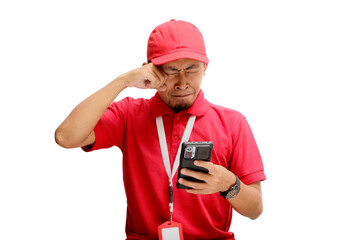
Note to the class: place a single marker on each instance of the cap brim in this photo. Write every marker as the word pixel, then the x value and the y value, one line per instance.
pixel 179 55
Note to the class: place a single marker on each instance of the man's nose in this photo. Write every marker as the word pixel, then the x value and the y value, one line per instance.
pixel 181 83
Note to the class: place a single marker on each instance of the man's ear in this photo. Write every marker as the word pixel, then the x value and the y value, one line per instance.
pixel 144 63
pixel 205 67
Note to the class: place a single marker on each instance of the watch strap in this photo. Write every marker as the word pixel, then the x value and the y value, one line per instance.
pixel 232 191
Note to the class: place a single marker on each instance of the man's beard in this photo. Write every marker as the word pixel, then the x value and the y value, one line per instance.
pixel 179 107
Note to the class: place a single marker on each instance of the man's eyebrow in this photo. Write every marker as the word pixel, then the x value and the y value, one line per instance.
pixel 191 66
pixel 170 68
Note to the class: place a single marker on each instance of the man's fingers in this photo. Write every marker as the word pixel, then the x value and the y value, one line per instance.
pixel 194 185
pixel 195 191
pixel 158 78
pixel 162 77
pixel 197 187
pixel 205 164
pixel 148 76
pixel 195 174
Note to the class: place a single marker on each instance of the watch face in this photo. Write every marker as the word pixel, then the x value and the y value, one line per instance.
pixel 233 192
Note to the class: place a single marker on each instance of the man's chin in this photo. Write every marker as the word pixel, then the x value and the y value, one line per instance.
pixel 180 107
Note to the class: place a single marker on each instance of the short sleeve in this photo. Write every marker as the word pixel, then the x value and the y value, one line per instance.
pixel 110 129
pixel 246 160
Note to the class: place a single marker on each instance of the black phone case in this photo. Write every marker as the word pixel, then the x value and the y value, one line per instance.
pixel 191 151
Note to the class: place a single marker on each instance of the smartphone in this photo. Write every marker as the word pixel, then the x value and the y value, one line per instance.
pixel 191 151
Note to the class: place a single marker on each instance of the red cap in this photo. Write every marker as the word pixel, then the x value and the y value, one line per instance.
pixel 175 40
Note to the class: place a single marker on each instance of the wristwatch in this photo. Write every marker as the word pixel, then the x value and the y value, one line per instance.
pixel 233 191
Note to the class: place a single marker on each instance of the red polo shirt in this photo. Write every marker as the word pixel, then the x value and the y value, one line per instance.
pixel 130 124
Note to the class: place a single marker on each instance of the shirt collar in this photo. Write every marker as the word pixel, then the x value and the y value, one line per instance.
pixel 159 108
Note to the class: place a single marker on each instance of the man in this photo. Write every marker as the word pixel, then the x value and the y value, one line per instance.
pixel 177 62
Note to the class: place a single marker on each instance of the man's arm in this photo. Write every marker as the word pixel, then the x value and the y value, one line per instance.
pixel 249 200
pixel 77 130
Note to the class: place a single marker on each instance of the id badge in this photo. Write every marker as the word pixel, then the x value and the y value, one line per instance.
pixel 170 231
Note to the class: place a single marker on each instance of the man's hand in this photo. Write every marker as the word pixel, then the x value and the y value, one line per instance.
pixel 249 200
pixel 219 179
pixel 147 76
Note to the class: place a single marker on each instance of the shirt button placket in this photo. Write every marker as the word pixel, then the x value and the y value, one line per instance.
pixel 175 136
pixel 175 127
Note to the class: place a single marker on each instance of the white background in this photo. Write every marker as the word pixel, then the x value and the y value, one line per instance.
pixel 291 67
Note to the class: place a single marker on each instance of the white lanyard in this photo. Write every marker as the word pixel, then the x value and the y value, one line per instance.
pixel 165 153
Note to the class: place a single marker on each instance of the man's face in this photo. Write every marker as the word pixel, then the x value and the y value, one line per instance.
pixel 183 83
